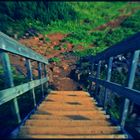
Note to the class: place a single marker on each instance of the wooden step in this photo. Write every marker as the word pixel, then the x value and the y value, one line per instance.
pixel 101 136
pixel 73 112
pixel 69 130
pixel 59 123
pixel 85 102
pixel 68 117
pixel 69 114
pixel 77 104
pixel 68 108
pixel 69 92
pixel 69 99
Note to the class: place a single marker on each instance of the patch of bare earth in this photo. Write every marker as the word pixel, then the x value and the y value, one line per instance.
pixel 116 22
pixel 59 73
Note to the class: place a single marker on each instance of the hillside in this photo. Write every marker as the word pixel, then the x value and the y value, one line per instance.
pixel 85 29
pixel 65 33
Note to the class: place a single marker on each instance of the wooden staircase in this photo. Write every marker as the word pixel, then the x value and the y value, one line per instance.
pixel 69 114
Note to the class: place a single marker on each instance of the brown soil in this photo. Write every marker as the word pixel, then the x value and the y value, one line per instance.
pixel 59 73
pixel 116 22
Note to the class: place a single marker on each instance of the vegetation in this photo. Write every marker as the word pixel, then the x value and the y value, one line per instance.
pixel 54 59
pixel 83 23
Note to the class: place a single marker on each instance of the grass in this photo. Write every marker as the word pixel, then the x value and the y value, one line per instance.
pixel 91 16
pixel 55 59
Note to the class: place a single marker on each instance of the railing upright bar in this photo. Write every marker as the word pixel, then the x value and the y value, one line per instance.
pixel 97 76
pixel 9 82
pixel 45 75
pixel 40 77
pixel 30 78
pixel 108 78
pixel 45 71
pixel 91 83
pixel 130 82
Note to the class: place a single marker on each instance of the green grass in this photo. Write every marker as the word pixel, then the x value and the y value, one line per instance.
pixel 55 59
pixel 57 47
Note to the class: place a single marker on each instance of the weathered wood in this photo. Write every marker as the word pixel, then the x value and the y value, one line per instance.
pixel 101 136
pixel 30 78
pixel 70 130
pixel 9 82
pixel 11 93
pixel 40 77
pixel 128 45
pixel 109 70
pixel 59 123
pixel 46 122
pixel 130 82
pixel 10 45
pixel 97 76
pixel 131 94
pixel 77 112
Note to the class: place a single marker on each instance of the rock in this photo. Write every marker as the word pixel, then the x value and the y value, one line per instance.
pixel 65 66
pixel 56 70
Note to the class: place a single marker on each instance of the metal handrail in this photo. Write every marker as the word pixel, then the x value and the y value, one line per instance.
pixel 9 45
pixel 129 45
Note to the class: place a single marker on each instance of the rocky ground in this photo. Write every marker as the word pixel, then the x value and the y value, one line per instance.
pixel 59 72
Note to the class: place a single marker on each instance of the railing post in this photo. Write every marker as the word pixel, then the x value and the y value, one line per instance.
pixel 9 82
pixel 130 82
pixel 30 78
pixel 91 83
pixel 45 71
pixel 97 76
pixel 46 75
pixel 109 70
pixel 40 77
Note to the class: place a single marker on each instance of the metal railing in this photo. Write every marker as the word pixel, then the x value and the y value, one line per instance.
pixel 130 45
pixel 9 45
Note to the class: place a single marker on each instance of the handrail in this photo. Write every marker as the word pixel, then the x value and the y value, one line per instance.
pixel 10 45
pixel 129 45
pixel 11 92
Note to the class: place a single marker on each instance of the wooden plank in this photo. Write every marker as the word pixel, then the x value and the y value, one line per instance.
pixel 64 117
pixel 69 92
pixel 59 123
pixel 70 108
pixel 78 104
pixel 69 130
pixel 11 93
pixel 101 136
pixel 40 77
pixel 9 83
pixel 10 45
pixel 68 95
pixel 69 99
pixel 131 94
pixel 30 78
pixel 78 112
pixel 84 102
pixel 129 83
pixel 108 77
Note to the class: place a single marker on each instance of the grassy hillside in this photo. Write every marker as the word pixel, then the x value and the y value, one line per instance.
pixel 93 25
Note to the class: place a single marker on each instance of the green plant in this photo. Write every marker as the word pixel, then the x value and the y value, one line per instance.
pixel 47 39
pixel 55 59
pixel 57 47
pixel 64 46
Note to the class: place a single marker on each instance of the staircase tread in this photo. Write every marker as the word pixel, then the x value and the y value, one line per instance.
pixel 119 136
pixel 69 114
